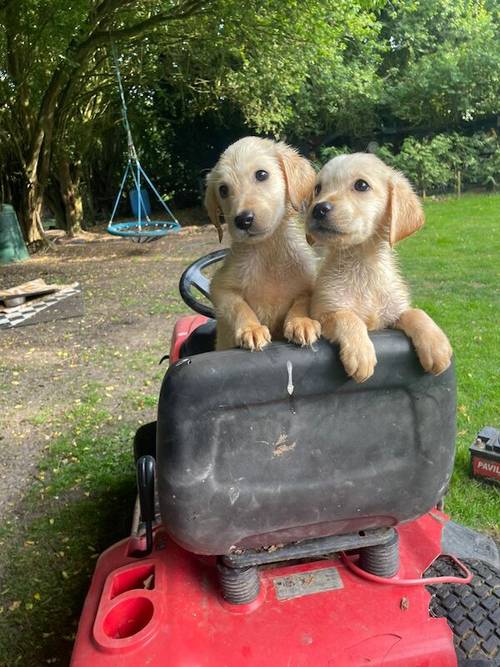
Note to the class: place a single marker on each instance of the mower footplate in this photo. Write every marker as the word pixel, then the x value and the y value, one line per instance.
pixel 166 609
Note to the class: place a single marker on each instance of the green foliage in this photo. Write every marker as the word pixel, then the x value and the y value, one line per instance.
pixel 439 163
pixel 281 69
pixel 443 61
pixel 424 162
pixel 200 74
pixel 451 265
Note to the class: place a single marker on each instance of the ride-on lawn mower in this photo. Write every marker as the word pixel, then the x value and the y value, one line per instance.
pixel 295 518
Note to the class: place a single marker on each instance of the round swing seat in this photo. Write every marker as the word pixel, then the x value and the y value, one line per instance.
pixel 145 230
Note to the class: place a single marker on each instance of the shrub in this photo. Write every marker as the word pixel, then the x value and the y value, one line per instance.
pixel 441 163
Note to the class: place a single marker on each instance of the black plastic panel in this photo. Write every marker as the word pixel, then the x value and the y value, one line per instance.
pixel 241 462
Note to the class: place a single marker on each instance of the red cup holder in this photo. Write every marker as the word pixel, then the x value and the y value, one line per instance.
pixel 140 577
pixel 128 617
pixel 130 606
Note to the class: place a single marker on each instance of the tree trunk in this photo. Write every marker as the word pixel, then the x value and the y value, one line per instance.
pixel 31 212
pixel 55 203
pixel 42 123
pixel 71 196
pixel 88 205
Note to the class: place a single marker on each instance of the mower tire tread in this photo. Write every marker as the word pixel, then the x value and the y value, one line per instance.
pixel 472 610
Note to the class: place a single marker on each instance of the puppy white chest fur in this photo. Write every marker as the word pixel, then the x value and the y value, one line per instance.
pixel 365 280
pixel 270 284
pixel 269 280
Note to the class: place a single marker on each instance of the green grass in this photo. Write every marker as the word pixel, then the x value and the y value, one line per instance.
pixel 80 502
pixel 452 266
pixel 83 491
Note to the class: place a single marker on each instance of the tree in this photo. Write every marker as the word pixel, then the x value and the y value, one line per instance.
pixel 46 54
pixel 200 73
pixel 442 67
pixel 295 70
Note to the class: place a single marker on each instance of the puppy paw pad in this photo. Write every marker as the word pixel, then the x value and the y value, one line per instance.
pixel 359 362
pixel 253 338
pixel 434 353
pixel 302 330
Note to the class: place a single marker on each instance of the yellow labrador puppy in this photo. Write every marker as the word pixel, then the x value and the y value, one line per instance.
pixel 360 209
pixel 264 287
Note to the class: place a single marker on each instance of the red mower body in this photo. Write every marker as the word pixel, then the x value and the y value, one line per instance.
pixel 166 609
pixel 183 328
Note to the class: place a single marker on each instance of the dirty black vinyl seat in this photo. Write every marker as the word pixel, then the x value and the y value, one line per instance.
pixel 256 449
pixel 201 340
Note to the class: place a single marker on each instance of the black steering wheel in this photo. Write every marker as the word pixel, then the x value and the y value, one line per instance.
pixel 194 278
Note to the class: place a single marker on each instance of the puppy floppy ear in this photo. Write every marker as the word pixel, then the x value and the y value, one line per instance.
pixel 212 205
pixel 404 210
pixel 299 175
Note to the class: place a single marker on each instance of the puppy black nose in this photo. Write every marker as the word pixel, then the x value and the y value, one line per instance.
pixel 321 210
pixel 244 220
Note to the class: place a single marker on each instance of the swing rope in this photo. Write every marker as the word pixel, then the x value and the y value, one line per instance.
pixel 139 230
pixel 124 110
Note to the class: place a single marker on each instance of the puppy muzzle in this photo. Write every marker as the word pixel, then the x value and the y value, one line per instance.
pixel 321 210
pixel 249 228
pixel 321 221
pixel 244 220
pixel 325 227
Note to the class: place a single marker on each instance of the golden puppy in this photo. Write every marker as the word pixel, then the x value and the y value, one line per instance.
pixel 360 209
pixel 263 288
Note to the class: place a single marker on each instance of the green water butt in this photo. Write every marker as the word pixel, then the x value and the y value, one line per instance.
pixel 12 246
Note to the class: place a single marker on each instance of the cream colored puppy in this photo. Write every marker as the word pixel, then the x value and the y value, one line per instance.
pixel 360 209
pixel 264 287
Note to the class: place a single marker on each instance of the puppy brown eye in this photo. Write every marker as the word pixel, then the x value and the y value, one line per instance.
pixel 361 185
pixel 223 191
pixel 261 175
pixel 317 189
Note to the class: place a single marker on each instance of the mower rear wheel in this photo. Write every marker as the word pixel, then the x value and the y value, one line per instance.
pixel 472 611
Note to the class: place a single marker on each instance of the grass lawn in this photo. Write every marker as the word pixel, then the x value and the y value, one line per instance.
pixel 82 491
pixel 452 265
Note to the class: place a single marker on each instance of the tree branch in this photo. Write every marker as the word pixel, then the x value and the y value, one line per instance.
pixel 78 54
pixel 141 28
pixel 106 9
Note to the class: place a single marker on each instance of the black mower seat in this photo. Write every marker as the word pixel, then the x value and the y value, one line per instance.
pixel 201 340
pixel 259 449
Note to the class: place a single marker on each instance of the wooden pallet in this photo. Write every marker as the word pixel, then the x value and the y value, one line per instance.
pixel 16 296
pixel 63 302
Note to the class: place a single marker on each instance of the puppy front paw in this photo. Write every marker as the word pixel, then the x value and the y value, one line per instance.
pixel 434 351
pixel 359 360
pixel 253 337
pixel 302 330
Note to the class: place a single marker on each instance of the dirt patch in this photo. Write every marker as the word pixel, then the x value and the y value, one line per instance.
pixel 131 303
